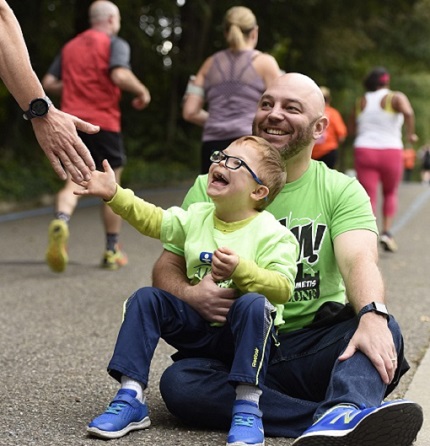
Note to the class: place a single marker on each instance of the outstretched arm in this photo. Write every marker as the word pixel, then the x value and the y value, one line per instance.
pixel 55 132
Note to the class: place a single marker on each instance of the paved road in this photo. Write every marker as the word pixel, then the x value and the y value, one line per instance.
pixel 58 330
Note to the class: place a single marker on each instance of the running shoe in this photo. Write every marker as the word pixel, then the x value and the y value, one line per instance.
pixel 56 254
pixel 124 414
pixel 388 243
pixel 394 423
pixel 113 260
pixel 247 426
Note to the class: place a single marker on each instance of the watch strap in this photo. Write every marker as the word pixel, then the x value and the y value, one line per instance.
pixel 375 307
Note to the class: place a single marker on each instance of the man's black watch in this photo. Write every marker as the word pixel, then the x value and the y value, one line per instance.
pixel 376 307
pixel 38 107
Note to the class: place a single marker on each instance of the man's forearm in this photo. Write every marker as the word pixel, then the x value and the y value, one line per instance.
pixel 127 81
pixel 15 67
pixel 176 281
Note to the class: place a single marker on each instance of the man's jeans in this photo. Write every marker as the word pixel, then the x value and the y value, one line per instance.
pixel 303 380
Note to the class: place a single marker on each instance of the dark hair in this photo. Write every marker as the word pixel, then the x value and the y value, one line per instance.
pixel 378 77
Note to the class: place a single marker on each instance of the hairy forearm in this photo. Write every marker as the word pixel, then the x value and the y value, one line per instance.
pixel 176 281
pixel 357 257
pixel 15 67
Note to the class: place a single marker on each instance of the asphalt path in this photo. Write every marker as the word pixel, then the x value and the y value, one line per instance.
pixel 58 330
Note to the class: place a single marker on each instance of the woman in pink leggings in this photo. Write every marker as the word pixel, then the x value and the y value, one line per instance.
pixel 377 122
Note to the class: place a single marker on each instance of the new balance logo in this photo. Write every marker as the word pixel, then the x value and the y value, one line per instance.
pixel 347 416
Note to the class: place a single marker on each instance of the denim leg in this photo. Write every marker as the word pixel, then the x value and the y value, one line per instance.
pixel 303 379
pixel 197 391
pixel 152 313
pixel 357 381
pixel 251 322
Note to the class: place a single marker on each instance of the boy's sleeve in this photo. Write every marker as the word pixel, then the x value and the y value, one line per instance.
pixel 144 216
pixel 250 278
pixel 274 271
pixel 197 193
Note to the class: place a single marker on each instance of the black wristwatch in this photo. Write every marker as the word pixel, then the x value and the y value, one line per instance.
pixel 376 307
pixel 38 107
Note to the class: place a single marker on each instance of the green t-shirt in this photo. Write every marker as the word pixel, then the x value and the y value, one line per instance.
pixel 267 250
pixel 319 206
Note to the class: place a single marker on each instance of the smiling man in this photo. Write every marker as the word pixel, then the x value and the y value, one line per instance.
pixel 336 362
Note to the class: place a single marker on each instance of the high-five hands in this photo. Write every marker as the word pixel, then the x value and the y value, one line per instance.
pixel 101 184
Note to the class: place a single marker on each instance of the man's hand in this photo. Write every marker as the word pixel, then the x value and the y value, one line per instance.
pixel 374 339
pixel 224 262
pixel 141 101
pixel 57 134
pixel 211 301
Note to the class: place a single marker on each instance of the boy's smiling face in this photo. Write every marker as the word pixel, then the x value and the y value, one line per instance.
pixel 233 189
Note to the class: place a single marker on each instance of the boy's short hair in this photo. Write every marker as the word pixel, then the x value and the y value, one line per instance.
pixel 271 169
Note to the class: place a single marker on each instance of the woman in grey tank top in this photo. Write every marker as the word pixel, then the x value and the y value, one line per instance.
pixel 229 84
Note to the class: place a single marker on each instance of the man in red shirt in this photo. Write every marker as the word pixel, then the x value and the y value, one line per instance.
pixel 326 147
pixel 89 74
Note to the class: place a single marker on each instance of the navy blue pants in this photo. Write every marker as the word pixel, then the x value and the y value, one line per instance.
pixel 243 344
pixel 303 380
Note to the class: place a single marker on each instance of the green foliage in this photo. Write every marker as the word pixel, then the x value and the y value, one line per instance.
pixel 334 42
pixel 26 182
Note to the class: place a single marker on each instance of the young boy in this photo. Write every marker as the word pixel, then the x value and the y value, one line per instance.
pixel 260 261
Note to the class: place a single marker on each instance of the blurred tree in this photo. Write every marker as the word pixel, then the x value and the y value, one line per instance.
pixel 334 42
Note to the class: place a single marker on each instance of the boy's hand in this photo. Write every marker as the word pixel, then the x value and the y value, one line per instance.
pixel 101 184
pixel 224 262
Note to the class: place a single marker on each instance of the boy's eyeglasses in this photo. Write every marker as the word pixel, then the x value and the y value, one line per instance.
pixel 232 163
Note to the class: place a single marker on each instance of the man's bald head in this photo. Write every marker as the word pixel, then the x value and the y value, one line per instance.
pixel 304 87
pixel 100 10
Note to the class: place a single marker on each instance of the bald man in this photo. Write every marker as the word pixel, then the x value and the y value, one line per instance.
pixel 89 74
pixel 335 363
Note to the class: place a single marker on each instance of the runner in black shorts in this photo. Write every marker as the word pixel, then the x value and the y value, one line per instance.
pixel 105 145
pixel 90 72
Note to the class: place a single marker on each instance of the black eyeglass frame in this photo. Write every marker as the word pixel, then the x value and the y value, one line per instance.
pixel 213 158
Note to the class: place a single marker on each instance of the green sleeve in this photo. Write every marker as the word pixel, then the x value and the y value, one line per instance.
pixel 144 216
pixel 250 278
pixel 196 194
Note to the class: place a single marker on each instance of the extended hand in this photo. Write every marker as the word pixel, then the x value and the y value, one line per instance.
pixel 101 184
pixel 56 134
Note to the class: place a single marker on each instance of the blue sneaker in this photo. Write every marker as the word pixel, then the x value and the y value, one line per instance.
pixel 124 414
pixel 394 423
pixel 247 426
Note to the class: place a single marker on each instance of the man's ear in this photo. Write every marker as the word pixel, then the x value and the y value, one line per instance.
pixel 320 127
pixel 260 192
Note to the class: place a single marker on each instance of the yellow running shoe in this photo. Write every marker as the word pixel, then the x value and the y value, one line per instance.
pixel 56 254
pixel 114 259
